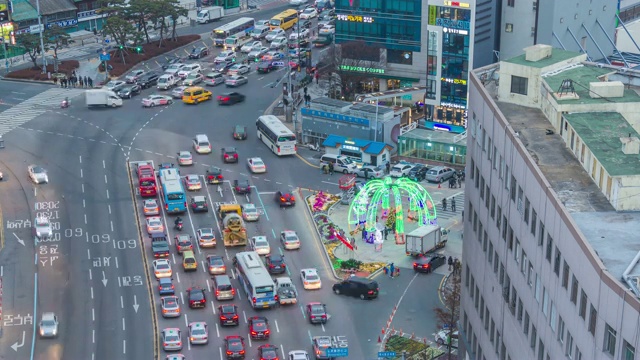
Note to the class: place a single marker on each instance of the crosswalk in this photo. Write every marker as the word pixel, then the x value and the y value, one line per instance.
pixel 34 107
pixel 449 213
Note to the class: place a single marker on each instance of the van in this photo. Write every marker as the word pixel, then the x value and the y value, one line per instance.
pixel 166 81
pixel 259 32
pixel 222 288
pixel 201 144
pixel 189 262
pixel 213 79
pixel 357 287
pixel 195 94
pixel 340 163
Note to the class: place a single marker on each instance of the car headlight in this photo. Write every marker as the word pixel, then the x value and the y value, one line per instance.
pixel 38 233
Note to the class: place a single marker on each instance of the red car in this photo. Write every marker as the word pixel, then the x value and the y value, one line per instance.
pixel 259 327
pixel 145 170
pixel 234 347
pixel 230 98
pixel 268 352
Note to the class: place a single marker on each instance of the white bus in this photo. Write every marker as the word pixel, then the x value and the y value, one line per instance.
pixel 255 279
pixel 241 25
pixel 276 136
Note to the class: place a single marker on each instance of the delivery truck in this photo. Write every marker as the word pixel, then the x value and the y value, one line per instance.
pixel 209 14
pixel 425 239
pixel 102 97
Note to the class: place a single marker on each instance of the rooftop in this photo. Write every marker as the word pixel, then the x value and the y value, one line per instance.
pixel 557 55
pixel 601 132
pixel 368 146
pixel 48 7
pixel 444 137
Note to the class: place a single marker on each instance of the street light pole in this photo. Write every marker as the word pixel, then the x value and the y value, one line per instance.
pixel 41 28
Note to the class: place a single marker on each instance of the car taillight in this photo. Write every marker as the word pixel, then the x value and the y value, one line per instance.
pixel 226 156
pixel 164 311
pixel 235 317
pixel 276 297
pixel 253 332
pixel 173 287
pixel 227 99
pixel 220 177
pixel 370 292
pixel 415 264
pixel 235 156
pixel 253 300
pixel 324 316
pixel 267 332
pixel 233 291
pixel 293 198
pixel 185 204
pixel 202 301
pixel 229 352
pixel 241 352
pixel 166 206
pixel 282 198
pixel 222 317
pixel 284 265
pixel 271 266
pixel 217 292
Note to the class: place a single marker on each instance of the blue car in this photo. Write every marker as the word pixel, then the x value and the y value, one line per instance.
pixel 165 286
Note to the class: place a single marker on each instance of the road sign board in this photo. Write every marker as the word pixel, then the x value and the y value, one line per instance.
pixel 278 63
pixel 105 56
pixel 386 354
pixel 338 352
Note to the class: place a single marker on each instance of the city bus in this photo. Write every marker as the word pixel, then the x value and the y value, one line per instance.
pixel 285 20
pixel 276 135
pixel 241 26
pixel 175 200
pixel 255 279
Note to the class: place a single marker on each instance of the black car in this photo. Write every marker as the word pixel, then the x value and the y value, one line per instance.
pixel 285 199
pixel 170 61
pixel 228 315
pixel 196 297
pixel 148 80
pixel 230 98
pixel 427 264
pixel 259 327
pixel 275 264
pixel 265 67
pixel 240 132
pixel 317 313
pixel 214 175
pixel 129 91
pixel 223 66
pixel 357 287
pixel 166 166
pixel 268 352
pixel 326 14
pixel 304 24
pixel 234 347
pixel 242 186
pixel 418 173
pixel 198 53
pixel 199 204
pixel 229 155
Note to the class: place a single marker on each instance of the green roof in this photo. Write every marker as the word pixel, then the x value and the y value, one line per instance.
pixel 582 76
pixel 23 10
pixel 557 55
pixel 601 132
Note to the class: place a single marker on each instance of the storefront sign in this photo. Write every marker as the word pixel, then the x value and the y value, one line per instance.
pixel 452 105
pixel 351 147
pixel 453 24
pixel 336 117
pixel 361 69
pixel 4 12
pixel 457 4
pixel 355 18
pixel 63 23
pixel 455 81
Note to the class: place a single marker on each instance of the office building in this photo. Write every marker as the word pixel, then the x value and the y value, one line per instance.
pixel 550 257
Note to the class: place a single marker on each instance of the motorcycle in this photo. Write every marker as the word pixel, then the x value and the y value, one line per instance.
pixel 314 147
pixel 178 225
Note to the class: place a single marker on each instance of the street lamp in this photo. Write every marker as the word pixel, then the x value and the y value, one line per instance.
pixel 41 28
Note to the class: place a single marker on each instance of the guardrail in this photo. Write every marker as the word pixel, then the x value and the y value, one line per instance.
pixel 629 14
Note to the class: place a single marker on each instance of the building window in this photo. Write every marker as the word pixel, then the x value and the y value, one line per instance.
pixel 520 310
pixel 565 275
pixel 534 337
pixel 492 331
pixel 400 57
pixel 530 274
pixel 629 351
pixel 490 252
pixel 609 340
pixel 514 184
pixel 526 322
pixel 496 260
pixel 519 85
pixel 482 188
pixel 560 330
pixel 540 350
pixel 537 293
pixel 554 317
pixel 556 263
pixel 541 234
pixel 574 289
pixel 499 218
pixel 493 207
pixel 593 317
pixel 545 302
pixel 549 247
pixel 534 222
pixel 516 253
pixel 583 304
pixel 527 205
pixel 511 3
pixel 508 27
pixel 569 348
pixel 486 201
pixel 506 176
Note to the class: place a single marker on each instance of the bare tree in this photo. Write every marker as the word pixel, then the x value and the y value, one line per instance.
pixel 450 313
pixel 349 64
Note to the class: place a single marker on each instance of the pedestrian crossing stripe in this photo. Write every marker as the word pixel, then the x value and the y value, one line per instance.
pixel 33 107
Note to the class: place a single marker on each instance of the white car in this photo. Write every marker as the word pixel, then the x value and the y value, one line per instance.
pixel 262 22
pixel 303 33
pixel 198 333
pixel 298 354
pixel 256 165
pixel 162 268
pixel 225 56
pixel 260 245
pixel 170 306
pixel 278 43
pixel 48 325
pixel 42 228
pixel 257 53
pixel 185 158
pixel 442 336
pixel 171 339
pixel 289 240
pixel 250 212
pixel 250 45
pixel 154 224
pixel 400 170
pixel 151 208
pixel 328 29
pixel 309 13
pixel 153 100
pixel 192 182
pixel 133 76
pixel 115 85
pixel 189 68
pixel 310 279
pixel 275 33
pixel 206 237
pixel 238 69
pixel 38 174
pixel 193 78
pixel 177 92
pixel 174 68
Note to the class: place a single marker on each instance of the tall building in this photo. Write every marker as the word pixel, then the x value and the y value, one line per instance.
pixel 486 43
pixel 550 258
pixel 416 42
pixel 582 26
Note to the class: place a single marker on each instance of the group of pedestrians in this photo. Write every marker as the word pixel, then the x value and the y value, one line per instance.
pixel 75 81
pixel 454 265
pixel 453 204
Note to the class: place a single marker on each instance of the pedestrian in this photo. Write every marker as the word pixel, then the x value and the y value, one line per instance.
pixel 459 182
pixel 317 76
pixel 81 82
pixel 330 168
pixel 90 82
pixel 63 83
pixel 364 235
pixel 450 262
pixel 305 91
pixel 444 204
pixel 55 81
pixel 453 204
pixel 388 166
pixel 386 232
pixel 392 270
pixel 397 272
pixel 86 81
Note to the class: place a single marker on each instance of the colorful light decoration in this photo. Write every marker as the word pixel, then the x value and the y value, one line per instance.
pixel 363 212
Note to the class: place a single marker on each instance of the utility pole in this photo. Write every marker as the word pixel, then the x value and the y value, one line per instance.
pixel 41 28
pixel 6 59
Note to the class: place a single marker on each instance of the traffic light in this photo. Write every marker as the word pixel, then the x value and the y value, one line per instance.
pixel 138 49
pixel 121 47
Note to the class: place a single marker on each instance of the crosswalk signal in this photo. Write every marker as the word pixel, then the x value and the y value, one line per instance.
pixel 121 47
pixel 138 49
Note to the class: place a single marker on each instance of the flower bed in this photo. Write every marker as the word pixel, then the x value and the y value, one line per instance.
pixel 399 344
pixel 64 67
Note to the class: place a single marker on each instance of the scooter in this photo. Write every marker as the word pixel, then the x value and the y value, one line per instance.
pixel 178 226
pixel 314 147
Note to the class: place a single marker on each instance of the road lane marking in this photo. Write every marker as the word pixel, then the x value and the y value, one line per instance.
pixel 186 321
pixel 277 328
pixel 111 221
pixel 81 173
pixel 85 219
pixel 109 209
pixel 396 307
pixel 105 179
pixel 124 346
pixel 90 275
pixel 107 193
pixel 80 159
pixel 82 187
pixel 117 263
pixel 121 302
pixel 93 335
pixel 307 162
pixel 330 183
pixel 123 326
pixel 218 333
pixel 88 254
pixel 91 288
pixel 84 204
pixel 104 165
pixel 93 314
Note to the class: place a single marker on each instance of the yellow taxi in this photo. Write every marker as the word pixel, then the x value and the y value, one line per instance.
pixel 189 262
pixel 195 94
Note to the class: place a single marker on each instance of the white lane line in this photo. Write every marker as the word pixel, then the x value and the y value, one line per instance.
pixel 116 262
pixel 105 179
pixel 81 173
pixel 123 326
pixel 121 302
pixel 80 159
pixel 93 335
pixel 124 346
pixel 84 204
pixel 104 165
pixel 108 192
pixel 111 221
pixel 88 254
pixel 109 209
pixel 91 288
pixel 277 328
pixel 93 314
pixel 90 275
pixel 82 187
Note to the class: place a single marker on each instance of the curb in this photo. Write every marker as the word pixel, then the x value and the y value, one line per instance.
pixel 29 81
pixel 273 105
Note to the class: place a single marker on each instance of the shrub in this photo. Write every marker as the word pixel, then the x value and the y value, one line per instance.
pixel 65 67
pixel 351 264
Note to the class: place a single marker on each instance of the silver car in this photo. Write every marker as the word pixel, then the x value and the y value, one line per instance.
pixel 134 76
pixel 115 85
pixel 370 172
pixel 171 339
pixel 198 333
pixel 176 93
pixel 439 174
pixel 250 212
pixel 274 34
pixel 237 80
pixel 170 306
pixel 42 228
pixel 38 174
pixel 48 325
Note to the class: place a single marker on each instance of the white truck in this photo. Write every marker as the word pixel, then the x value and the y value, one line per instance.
pixel 425 239
pixel 287 294
pixel 209 14
pixel 236 42
pixel 102 97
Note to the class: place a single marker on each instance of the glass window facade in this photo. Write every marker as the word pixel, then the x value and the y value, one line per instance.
pixel 392 25
pixel 425 149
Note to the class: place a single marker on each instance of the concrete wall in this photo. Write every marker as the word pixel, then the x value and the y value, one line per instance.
pixel 487 32
pixel 523 18
pixel 623 41
pixel 615 306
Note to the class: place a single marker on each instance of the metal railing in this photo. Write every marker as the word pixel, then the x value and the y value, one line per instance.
pixel 629 14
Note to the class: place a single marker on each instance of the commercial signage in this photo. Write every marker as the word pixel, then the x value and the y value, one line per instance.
pixel 63 23
pixel 351 147
pixel 4 12
pixel 452 105
pixel 89 15
pixel 355 18
pixel 457 4
pixel 361 69
pixel 454 81
pixel 453 24
pixel 336 117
